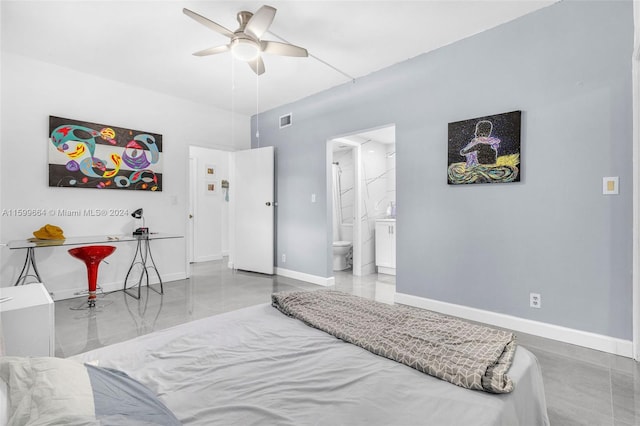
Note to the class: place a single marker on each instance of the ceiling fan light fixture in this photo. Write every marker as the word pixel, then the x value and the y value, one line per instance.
pixel 245 49
pixel 246 42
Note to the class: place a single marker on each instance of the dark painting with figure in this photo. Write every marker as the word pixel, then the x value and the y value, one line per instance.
pixel 485 149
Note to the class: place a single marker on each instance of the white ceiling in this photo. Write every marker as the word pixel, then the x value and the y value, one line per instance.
pixel 149 43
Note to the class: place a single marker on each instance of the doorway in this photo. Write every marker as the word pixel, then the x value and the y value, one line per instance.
pixel 361 187
pixel 635 70
pixel 208 217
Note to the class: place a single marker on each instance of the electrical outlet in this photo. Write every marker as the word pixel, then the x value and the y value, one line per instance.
pixel 284 258
pixel 535 300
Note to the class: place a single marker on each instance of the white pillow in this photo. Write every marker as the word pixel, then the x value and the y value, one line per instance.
pixel 45 391
pixel 4 403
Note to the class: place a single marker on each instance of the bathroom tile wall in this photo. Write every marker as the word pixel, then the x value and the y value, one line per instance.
pixel 345 161
pixel 378 190
pixel 391 172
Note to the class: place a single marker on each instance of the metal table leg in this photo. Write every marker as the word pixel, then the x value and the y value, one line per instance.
pixel 29 262
pixel 153 266
pixel 143 252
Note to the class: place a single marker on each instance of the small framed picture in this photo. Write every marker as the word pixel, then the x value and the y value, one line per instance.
pixel 210 170
pixel 211 187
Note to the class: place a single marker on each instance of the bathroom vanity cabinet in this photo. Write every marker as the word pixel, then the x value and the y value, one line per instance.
pixel 386 246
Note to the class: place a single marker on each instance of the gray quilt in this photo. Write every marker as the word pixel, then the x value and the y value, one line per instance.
pixel 465 354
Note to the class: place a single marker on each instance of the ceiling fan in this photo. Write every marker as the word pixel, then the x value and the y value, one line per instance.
pixel 246 43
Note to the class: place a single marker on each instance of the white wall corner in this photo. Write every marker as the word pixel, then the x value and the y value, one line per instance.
pixel 635 68
pixel 563 334
pixel 209 258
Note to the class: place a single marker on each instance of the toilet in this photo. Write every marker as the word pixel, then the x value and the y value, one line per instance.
pixel 341 255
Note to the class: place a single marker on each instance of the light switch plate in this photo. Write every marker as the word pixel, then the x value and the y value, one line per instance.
pixel 610 185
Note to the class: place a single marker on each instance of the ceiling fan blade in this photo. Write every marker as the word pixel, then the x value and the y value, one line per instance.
pixel 212 50
pixel 260 22
pixel 283 49
pixel 208 23
pixel 257 65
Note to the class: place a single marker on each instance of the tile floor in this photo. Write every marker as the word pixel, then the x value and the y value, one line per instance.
pixel 582 386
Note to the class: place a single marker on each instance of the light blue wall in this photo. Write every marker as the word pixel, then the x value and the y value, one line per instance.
pixel 568 68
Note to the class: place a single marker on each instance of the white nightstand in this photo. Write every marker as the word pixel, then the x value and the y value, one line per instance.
pixel 27 321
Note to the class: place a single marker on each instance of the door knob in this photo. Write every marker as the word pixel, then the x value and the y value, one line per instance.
pixel 190 216
pixel 268 203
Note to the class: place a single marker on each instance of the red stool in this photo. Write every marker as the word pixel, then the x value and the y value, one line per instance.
pixel 92 256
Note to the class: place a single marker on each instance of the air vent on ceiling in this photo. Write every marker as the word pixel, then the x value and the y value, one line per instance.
pixel 285 120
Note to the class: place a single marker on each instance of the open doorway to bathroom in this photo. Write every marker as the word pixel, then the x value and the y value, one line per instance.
pixel 363 192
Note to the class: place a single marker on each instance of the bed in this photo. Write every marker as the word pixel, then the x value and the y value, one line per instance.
pixel 257 366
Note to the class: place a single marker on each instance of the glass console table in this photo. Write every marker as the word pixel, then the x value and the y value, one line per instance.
pixel 142 257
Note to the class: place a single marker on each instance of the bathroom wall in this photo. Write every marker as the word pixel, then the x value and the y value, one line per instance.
pixel 391 172
pixel 344 158
pixel 376 173
pixel 378 190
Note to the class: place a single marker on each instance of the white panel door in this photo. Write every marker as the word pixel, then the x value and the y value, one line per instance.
pixel 254 210
pixel 193 181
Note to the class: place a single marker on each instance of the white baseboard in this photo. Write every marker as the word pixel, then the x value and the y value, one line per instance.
pixel 113 286
pixel 555 332
pixel 314 279
pixel 388 271
pixel 366 270
pixel 176 276
pixel 208 258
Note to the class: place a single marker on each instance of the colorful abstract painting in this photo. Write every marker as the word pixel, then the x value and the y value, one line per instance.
pixel 90 155
pixel 485 150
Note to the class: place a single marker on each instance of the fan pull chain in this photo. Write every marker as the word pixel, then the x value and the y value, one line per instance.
pixel 257 109
pixel 233 102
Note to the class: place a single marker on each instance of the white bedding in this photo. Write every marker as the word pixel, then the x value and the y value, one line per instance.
pixel 3 403
pixel 258 366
